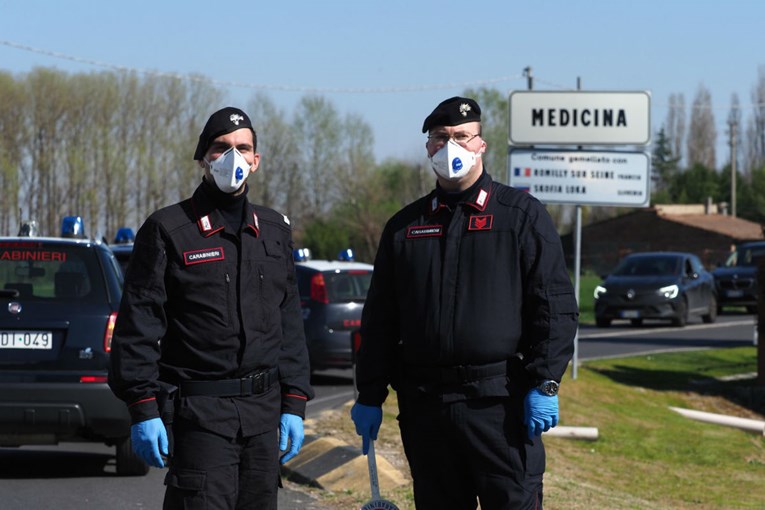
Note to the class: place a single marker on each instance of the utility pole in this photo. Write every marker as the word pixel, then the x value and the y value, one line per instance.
pixel 733 158
pixel 529 78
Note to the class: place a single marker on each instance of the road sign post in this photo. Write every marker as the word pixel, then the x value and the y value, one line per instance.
pixel 580 118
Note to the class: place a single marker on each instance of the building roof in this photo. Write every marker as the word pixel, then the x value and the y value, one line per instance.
pixel 694 215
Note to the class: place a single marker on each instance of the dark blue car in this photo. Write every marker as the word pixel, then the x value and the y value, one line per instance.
pixel 59 299
pixel 736 280
pixel 669 286
pixel 332 295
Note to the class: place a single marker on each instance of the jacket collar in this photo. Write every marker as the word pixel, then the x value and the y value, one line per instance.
pixel 210 220
pixel 476 197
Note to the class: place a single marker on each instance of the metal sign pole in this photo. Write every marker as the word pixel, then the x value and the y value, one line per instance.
pixel 577 271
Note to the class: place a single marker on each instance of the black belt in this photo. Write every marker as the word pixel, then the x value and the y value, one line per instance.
pixel 254 384
pixel 455 374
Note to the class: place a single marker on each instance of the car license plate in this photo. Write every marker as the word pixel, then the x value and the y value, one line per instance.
pixel 734 293
pixel 26 339
pixel 630 314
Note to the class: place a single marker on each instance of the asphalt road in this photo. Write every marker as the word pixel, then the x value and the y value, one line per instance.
pixel 622 339
pixel 72 476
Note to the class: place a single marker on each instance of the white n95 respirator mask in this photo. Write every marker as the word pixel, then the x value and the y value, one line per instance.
pixel 453 161
pixel 229 170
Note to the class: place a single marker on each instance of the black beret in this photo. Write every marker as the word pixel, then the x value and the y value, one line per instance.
pixel 453 112
pixel 222 122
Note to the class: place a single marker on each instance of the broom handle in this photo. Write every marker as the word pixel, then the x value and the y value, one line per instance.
pixel 373 470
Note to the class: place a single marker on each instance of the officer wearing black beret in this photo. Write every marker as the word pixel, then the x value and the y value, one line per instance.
pixel 471 318
pixel 453 112
pixel 208 350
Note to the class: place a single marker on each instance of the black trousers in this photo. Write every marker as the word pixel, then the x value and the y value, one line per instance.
pixel 213 472
pixel 470 450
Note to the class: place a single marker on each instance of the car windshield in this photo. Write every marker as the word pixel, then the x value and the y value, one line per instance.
pixel 33 270
pixel 747 256
pixel 648 266
pixel 348 285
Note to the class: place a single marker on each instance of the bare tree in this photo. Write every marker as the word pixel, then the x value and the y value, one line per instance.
pixel 702 134
pixel 675 125
pixel 734 126
pixel 47 92
pixel 278 183
pixel 357 162
pixel 355 173
pixel 317 126
pixel 13 135
pixel 755 151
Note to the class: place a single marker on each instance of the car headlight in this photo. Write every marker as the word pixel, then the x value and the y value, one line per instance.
pixel 599 290
pixel 669 292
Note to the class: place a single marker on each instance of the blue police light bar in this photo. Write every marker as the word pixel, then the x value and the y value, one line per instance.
pixel 72 226
pixel 124 235
pixel 345 255
pixel 301 254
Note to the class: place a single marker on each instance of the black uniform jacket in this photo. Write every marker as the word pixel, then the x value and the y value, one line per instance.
pixel 476 285
pixel 202 303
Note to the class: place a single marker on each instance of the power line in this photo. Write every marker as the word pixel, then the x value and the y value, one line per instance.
pixel 259 86
pixel 328 90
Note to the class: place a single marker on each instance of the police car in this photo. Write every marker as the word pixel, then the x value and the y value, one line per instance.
pixel 59 298
pixel 123 246
pixel 332 294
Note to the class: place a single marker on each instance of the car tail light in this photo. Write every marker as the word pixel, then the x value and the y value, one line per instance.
pixel 356 341
pixel 355 345
pixel 109 332
pixel 93 379
pixel 319 289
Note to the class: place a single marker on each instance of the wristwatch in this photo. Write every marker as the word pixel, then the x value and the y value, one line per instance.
pixel 549 387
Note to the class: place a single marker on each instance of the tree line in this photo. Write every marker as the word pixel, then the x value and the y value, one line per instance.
pixel 113 147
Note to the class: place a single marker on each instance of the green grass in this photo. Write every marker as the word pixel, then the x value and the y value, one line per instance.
pixel 587 283
pixel 647 456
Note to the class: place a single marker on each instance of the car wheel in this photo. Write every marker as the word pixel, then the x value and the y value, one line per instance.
pixel 602 323
pixel 712 315
pixel 681 317
pixel 636 322
pixel 128 463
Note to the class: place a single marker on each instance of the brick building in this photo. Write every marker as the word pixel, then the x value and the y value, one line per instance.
pixel 694 228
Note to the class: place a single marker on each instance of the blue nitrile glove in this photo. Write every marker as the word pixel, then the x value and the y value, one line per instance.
pixel 290 428
pixel 367 420
pixel 149 439
pixel 540 412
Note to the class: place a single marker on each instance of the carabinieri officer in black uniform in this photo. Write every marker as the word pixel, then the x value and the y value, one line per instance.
pixel 209 351
pixel 471 317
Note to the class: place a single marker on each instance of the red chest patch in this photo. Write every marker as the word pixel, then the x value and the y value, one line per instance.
pixel 481 222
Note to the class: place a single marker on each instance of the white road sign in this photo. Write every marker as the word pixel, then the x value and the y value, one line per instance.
pixel 581 177
pixel 579 118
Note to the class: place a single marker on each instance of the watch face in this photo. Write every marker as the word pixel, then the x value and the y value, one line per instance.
pixel 549 388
